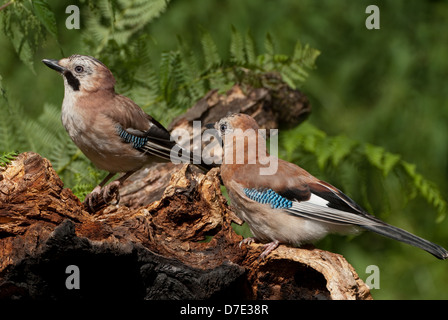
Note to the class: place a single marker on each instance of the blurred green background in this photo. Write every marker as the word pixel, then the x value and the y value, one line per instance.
pixel 385 87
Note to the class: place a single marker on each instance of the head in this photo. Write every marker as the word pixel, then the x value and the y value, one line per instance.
pixel 83 73
pixel 240 121
pixel 243 140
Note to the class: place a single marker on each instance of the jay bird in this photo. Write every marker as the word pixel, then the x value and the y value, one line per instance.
pixel 110 129
pixel 291 206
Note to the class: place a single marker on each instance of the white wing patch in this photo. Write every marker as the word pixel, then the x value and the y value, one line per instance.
pixel 318 200
pixel 316 208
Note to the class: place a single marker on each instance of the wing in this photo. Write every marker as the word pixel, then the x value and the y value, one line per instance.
pixel 146 141
pixel 299 193
pixel 315 207
pixel 328 204
pixel 146 134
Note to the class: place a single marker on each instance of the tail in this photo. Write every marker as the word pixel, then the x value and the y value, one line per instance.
pixel 189 157
pixel 163 149
pixel 407 237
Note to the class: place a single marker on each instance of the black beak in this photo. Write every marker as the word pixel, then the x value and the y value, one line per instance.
pixel 210 126
pixel 53 64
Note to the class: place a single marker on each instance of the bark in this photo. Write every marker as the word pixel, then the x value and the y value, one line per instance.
pixel 171 237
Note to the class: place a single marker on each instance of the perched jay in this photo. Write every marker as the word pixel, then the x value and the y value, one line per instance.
pixel 110 129
pixel 290 205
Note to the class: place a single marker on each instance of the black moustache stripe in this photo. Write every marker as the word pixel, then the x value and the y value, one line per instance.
pixel 71 80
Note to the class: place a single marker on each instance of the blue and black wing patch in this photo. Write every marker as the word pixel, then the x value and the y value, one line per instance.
pixel 144 142
pixel 268 196
pixel 314 207
pixel 157 142
pixel 137 142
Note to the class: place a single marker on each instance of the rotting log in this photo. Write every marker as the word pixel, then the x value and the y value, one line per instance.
pixel 156 251
pixel 170 237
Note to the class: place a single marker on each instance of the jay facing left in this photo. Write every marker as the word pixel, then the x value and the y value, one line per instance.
pixel 290 205
pixel 110 129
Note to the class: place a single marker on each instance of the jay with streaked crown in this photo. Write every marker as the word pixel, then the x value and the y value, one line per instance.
pixel 110 129
pixel 290 205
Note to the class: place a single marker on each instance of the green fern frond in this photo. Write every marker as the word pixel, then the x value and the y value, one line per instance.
pixel 24 30
pixel 10 117
pixel 85 181
pixel 249 49
pixel 7 157
pixel 332 152
pixel 210 51
pixel 427 189
pixel 119 21
pixel 237 48
pixel 41 134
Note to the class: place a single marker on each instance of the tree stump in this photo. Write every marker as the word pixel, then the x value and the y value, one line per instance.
pixel 179 247
pixel 171 237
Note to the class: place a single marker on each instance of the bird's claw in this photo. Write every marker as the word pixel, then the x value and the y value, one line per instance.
pixel 101 196
pixel 246 241
pixel 111 191
pixel 268 247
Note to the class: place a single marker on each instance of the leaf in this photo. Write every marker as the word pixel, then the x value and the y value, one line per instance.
pixel 427 190
pixel 307 139
pixel 24 31
pixel 374 154
pixel 118 21
pixel 7 157
pixel 341 147
pixel 249 48
pixel 389 162
pixel 269 46
pixel 380 158
pixel 210 50
pixel 46 16
pixel 9 119
pixel 237 47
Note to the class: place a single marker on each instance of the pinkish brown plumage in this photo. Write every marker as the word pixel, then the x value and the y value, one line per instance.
pixel 110 129
pixel 289 205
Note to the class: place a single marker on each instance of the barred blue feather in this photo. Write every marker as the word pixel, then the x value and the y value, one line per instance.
pixel 136 141
pixel 268 196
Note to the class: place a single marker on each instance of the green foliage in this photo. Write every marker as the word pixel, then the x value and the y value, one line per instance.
pixel 247 66
pixel 330 152
pixel 118 21
pixel 24 22
pixel 7 157
pixel 182 77
pixel 46 16
pixel 384 87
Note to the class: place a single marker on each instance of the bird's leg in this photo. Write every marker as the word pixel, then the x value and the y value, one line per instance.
pixel 108 192
pixel 93 197
pixel 268 248
pixel 111 190
pixel 104 194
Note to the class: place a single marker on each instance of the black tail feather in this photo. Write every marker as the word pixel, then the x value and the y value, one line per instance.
pixel 407 237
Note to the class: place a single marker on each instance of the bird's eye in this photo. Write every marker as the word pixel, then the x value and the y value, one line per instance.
pixel 223 127
pixel 79 69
